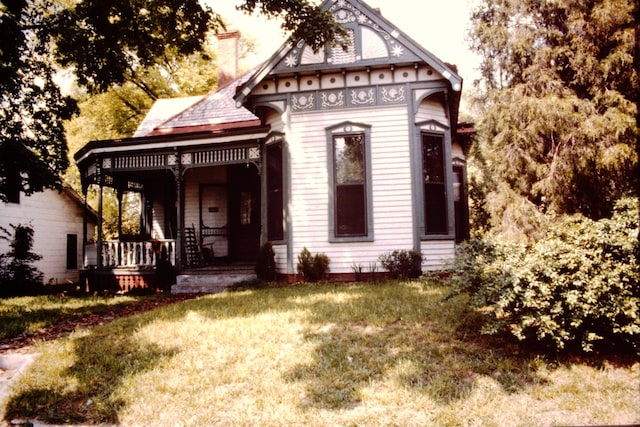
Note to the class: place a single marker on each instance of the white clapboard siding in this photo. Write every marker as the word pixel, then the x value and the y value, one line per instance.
pixel 391 185
pixel 274 120
pixel 53 216
pixel 158 220
pixel 437 254
pixel 280 252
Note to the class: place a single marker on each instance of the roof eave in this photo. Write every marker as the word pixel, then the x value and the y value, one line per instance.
pixel 155 141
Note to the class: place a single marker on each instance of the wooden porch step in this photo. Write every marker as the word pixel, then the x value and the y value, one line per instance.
pixel 207 282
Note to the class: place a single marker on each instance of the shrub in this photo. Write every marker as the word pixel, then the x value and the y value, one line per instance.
pixel 578 286
pixel 313 267
pixel 266 263
pixel 17 275
pixel 402 264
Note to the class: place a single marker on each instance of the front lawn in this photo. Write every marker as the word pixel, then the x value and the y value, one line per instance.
pixel 27 315
pixel 323 355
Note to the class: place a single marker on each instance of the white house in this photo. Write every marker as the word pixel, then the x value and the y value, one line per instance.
pixel 58 230
pixel 350 153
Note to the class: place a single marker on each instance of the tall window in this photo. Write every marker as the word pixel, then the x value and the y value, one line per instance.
pixel 350 204
pixel 275 189
pixel 435 185
pixel 72 251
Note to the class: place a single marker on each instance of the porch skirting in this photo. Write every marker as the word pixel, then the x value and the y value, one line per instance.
pixel 124 280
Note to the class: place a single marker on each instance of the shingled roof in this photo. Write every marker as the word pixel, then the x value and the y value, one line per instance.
pixel 163 110
pixel 215 111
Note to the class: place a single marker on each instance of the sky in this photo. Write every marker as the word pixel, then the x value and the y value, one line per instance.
pixel 439 26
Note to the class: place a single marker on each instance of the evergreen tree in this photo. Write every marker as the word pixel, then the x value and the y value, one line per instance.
pixel 17 275
pixel 559 129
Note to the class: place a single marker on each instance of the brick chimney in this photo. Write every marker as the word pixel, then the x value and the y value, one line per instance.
pixel 227 56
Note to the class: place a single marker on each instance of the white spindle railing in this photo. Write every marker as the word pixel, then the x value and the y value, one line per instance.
pixel 137 254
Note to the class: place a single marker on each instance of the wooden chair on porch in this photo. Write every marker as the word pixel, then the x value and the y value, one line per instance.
pixel 192 247
pixel 197 252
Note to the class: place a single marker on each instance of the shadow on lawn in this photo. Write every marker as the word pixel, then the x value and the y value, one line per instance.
pixel 362 335
pixel 103 361
pixel 369 333
pixel 417 345
pixel 21 320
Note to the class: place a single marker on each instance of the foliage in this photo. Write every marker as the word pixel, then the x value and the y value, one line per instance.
pixel 302 19
pixel 313 267
pixel 102 41
pixel 103 44
pixel 559 128
pixel 577 286
pixel 17 275
pixel 31 105
pixel 266 262
pixel 117 113
pixel 402 264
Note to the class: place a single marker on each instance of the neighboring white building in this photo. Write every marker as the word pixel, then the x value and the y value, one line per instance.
pixel 57 222
pixel 350 153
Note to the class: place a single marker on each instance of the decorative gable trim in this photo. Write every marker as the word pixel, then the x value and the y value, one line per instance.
pixel 373 42
pixel 432 126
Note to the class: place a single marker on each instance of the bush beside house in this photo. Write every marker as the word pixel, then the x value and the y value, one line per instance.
pixel 576 287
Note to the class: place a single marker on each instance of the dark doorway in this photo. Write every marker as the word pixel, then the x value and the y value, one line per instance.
pixel 244 212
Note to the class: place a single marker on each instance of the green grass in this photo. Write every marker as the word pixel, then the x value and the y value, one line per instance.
pixel 29 314
pixel 374 355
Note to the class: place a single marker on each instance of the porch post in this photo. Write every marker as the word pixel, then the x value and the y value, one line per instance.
pixel 177 171
pixel 99 242
pixel 85 190
pixel 179 219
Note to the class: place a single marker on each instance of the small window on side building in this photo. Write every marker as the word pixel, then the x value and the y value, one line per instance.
pixel 72 251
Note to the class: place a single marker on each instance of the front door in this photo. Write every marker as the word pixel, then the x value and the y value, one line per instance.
pixel 244 212
pixel 213 221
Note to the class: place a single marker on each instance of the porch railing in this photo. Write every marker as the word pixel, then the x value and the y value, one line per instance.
pixel 147 253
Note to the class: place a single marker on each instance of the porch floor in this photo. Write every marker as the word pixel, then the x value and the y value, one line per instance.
pixel 212 279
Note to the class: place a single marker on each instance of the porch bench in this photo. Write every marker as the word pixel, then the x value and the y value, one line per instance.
pixel 212 231
pixel 207 248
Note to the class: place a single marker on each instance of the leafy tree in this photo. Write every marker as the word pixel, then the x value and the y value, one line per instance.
pixel 117 113
pixel 105 43
pixel 559 129
pixel 32 105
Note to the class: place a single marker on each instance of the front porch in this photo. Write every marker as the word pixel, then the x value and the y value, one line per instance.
pixel 199 205
pixel 128 266
pixel 125 266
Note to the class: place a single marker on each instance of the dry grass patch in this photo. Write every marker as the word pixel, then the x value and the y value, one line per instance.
pixel 389 354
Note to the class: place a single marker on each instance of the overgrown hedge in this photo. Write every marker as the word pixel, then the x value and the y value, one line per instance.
pixel 578 286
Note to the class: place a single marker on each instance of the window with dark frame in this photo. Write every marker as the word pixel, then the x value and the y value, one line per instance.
pixel 350 202
pixel 72 251
pixel 12 186
pixel 434 184
pixel 275 189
